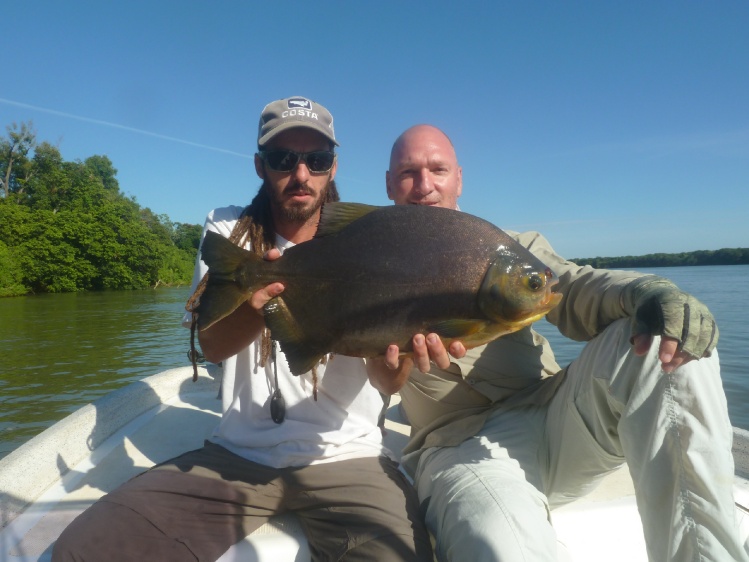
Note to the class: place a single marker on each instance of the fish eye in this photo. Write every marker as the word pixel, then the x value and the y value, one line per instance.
pixel 535 282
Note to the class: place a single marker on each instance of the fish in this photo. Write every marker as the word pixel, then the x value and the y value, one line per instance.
pixel 374 276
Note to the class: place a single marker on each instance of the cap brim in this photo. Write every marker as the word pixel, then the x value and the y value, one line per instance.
pixel 262 141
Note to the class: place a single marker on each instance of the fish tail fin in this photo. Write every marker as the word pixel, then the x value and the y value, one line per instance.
pixel 223 291
pixel 301 354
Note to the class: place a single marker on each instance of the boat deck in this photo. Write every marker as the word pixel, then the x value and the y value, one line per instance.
pixel 68 467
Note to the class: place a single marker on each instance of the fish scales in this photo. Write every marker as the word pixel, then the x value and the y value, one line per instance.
pixel 400 274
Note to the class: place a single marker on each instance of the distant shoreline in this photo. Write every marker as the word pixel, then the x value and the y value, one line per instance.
pixel 724 256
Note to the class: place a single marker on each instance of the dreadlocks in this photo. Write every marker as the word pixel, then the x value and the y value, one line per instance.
pixel 255 225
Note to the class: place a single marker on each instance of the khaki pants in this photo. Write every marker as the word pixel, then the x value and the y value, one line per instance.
pixel 198 505
pixel 489 498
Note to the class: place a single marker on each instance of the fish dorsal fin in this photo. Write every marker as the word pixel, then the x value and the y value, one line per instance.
pixel 336 216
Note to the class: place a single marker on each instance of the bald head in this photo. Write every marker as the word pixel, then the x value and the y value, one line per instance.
pixel 424 169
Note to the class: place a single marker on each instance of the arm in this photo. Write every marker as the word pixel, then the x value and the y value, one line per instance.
pixel 593 298
pixel 232 334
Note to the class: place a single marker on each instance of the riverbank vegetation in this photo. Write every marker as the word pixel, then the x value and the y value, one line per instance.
pixel 725 256
pixel 66 226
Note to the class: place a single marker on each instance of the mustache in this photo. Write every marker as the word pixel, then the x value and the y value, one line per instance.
pixel 298 188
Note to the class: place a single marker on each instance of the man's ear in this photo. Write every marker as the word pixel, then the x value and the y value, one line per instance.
pixel 387 185
pixel 259 169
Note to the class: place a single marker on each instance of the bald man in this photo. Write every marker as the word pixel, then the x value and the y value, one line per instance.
pixel 501 434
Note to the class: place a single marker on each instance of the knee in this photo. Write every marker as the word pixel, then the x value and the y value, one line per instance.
pixel 67 545
pixel 500 521
pixel 393 548
pixel 518 533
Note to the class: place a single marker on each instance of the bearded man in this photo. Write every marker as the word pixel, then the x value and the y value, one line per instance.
pixel 309 444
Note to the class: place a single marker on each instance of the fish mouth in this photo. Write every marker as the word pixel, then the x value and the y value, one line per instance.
pixel 552 299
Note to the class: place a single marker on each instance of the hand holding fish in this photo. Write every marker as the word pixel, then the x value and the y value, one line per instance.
pixel 235 331
pixel 426 350
pixel 389 373
pixel 261 297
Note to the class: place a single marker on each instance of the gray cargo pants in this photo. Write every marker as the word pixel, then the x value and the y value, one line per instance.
pixel 489 498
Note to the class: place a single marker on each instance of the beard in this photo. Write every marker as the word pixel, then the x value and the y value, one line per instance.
pixel 298 212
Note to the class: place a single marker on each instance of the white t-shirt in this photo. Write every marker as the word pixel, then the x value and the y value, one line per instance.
pixel 341 424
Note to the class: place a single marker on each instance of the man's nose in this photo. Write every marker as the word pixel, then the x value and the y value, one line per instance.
pixel 301 172
pixel 423 183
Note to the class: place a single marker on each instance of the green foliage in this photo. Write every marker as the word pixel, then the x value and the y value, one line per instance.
pixel 65 226
pixel 14 162
pixel 10 274
pixel 187 237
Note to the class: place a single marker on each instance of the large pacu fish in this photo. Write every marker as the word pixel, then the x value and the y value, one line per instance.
pixel 375 276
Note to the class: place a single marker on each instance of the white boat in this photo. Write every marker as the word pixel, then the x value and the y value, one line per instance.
pixel 47 481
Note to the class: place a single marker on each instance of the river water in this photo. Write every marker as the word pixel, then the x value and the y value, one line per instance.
pixel 59 352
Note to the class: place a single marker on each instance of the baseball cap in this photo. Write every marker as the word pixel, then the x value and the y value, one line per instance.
pixel 288 113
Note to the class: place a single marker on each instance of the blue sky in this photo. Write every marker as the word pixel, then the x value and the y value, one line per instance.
pixel 614 128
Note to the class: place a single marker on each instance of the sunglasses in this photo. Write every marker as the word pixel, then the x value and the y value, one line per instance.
pixel 286 160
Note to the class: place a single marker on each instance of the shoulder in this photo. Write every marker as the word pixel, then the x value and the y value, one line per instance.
pixel 222 220
pixel 224 214
pixel 530 239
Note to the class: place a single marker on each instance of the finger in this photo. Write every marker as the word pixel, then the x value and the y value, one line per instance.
pixel 667 350
pixel 437 351
pixel 392 360
pixel 642 343
pixel 421 353
pixel 677 361
pixel 261 297
pixel 272 254
pixel 457 350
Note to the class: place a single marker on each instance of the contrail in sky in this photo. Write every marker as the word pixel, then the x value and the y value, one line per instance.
pixel 122 127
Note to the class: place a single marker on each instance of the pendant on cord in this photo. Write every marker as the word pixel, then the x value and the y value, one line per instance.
pixel 277 402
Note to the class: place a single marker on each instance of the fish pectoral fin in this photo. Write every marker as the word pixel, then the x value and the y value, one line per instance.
pixel 335 216
pixel 300 355
pixel 456 329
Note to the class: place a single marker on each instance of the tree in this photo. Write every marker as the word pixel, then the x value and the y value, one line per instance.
pixel 187 237
pixel 47 181
pixel 104 169
pixel 11 276
pixel 13 156
pixel 65 226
